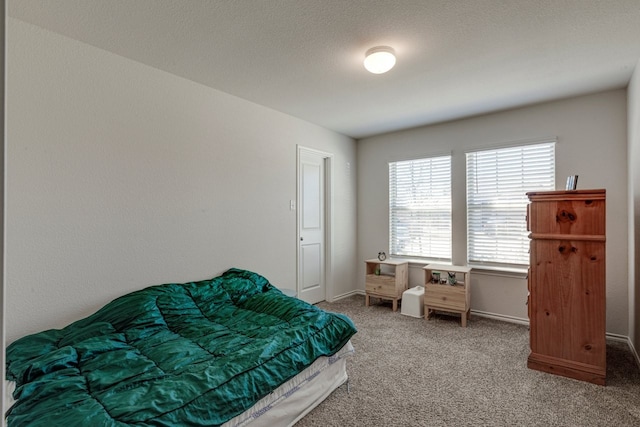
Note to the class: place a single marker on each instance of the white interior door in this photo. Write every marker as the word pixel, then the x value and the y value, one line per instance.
pixel 311 226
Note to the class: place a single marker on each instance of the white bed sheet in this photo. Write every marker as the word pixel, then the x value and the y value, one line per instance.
pixel 287 404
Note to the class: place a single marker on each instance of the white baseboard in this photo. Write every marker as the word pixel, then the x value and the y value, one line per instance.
pixel 618 337
pixel 347 295
pixel 503 317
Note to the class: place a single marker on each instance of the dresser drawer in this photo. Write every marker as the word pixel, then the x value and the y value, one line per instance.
pixel 585 217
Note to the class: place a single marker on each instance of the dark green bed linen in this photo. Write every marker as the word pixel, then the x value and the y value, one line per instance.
pixel 196 354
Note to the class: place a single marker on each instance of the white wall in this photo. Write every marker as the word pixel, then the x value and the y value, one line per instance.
pixel 592 142
pixel 121 176
pixel 634 208
pixel 2 91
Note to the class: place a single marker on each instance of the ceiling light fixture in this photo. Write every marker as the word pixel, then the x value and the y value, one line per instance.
pixel 379 59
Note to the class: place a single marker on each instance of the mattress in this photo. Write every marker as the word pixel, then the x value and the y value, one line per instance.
pixel 197 353
pixel 287 404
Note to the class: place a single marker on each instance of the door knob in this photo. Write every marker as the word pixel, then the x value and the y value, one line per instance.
pixel 301 239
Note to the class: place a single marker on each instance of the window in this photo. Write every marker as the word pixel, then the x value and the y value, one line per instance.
pixel 497 181
pixel 420 208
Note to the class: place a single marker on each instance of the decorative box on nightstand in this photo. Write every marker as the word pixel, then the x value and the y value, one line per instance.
pixel 443 293
pixel 386 280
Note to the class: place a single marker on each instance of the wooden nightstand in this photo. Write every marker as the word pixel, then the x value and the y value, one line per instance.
pixel 453 298
pixel 386 280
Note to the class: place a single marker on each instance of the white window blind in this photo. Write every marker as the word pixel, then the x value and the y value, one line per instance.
pixel 497 183
pixel 420 208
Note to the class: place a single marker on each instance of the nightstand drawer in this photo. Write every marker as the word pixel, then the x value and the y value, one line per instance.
pixel 384 285
pixel 445 297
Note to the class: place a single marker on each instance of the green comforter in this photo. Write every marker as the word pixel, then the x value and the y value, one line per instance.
pixel 171 355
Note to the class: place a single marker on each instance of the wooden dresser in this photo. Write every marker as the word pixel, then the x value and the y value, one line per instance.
pixel 567 310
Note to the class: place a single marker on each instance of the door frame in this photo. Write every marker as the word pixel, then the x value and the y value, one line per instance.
pixel 328 218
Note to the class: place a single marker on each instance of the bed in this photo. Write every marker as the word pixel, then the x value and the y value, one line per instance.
pixel 232 350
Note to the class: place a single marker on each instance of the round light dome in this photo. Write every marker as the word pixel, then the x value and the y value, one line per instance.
pixel 379 59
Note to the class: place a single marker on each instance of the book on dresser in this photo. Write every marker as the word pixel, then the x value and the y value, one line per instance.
pixel 566 280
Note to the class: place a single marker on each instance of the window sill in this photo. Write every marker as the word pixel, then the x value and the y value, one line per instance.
pixel 420 262
pixel 513 272
pixel 516 273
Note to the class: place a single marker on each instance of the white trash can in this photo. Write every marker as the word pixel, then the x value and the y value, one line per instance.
pixel 413 302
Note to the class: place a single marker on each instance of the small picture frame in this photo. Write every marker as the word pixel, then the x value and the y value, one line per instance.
pixel 572 182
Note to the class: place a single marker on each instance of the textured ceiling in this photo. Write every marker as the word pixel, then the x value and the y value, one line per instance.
pixel 456 58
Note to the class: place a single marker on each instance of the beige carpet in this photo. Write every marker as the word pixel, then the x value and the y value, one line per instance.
pixel 412 372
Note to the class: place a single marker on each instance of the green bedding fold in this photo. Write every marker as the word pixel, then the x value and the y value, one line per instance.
pixel 191 354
